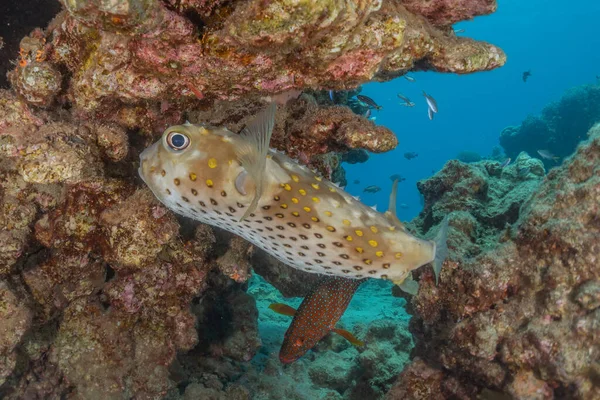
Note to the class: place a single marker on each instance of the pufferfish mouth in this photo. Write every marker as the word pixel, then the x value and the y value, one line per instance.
pixel 146 157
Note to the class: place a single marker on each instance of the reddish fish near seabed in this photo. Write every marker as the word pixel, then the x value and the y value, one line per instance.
pixel 316 317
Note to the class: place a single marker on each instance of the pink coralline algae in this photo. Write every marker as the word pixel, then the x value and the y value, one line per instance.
pixel 130 54
pixel 447 12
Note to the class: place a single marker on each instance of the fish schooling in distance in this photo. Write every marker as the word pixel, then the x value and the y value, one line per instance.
pixel 235 182
pixel 317 315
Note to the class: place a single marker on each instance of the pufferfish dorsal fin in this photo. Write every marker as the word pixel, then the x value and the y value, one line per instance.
pixel 391 212
pixel 252 148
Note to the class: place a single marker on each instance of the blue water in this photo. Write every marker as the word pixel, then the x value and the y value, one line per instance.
pixel 553 40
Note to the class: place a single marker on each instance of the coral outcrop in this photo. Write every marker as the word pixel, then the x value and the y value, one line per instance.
pixel 559 129
pixel 520 316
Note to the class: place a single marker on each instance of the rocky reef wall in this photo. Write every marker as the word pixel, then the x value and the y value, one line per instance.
pixel 516 311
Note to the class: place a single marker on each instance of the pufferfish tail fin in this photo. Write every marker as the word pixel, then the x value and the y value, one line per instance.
pixel 441 248
pixel 252 149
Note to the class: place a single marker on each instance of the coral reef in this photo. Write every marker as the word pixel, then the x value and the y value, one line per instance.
pixel 560 127
pixel 517 315
pixel 146 60
pixel 106 294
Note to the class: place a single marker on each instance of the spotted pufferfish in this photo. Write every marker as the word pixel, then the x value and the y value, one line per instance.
pixel 235 182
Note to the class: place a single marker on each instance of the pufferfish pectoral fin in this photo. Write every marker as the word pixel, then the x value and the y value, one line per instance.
pixel 391 212
pixel 409 285
pixel 252 147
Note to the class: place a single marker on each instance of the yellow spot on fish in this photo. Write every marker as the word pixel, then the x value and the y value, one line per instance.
pixel 331 229
pixel 194 192
pixel 307 209
pixel 163 173
pixel 373 243
pixel 209 183
pixel 315 186
pixel 294 200
pixel 284 206
pixel 212 163
pixel 318 178
pixel 386 266
pixel 295 213
pixel 287 187
pixel 277 198
pixel 225 139
pixel 328 213
pixel 203 131
pixel 360 249
pixel 176 181
pixel 346 222
pixel 359 233
pixel 332 190
pixel 315 219
pixel 302 192
pixel 152 168
pixel 367 261
pixel 230 162
pixel 398 255
pixel 392 228
pixel 349 238
pixel 379 254
pixel 316 199
pixel 374 229
pixel 193 177
pixel 295 178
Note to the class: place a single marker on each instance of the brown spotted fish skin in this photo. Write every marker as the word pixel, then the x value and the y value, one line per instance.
pixel 302 219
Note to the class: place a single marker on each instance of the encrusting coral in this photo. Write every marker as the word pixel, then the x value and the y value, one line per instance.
pixel 105 293
pixel 518 316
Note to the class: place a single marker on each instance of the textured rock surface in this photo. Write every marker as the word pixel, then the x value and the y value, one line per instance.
pixel 519 317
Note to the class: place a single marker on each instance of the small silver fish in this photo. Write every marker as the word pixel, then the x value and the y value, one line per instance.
pixel 368 113
pixel 372 189
pixel 236 183
pixel 457 31
pixel 548 155
pixel 431 103
pixel 409 78
pixel 407 102
pixel 331 94
pixel 505 163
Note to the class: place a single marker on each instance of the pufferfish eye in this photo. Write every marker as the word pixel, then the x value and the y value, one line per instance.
pixel 178 141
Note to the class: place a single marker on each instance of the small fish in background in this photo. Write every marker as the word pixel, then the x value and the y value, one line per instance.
pixel 523 171
pixel 526 75
pixel 372 189
pixel 366 100
pixel 406 100
pixel 409 78
pixel 332 96
pixel 410 155
pixel 356 182
pixel 548 155
pixel 317 315
pixel 397 177
pixel 505 163
pixel 368 114
pixel 457 31
pixel 432 107
pixel 403 206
